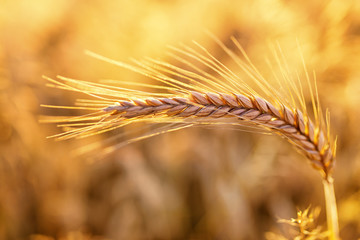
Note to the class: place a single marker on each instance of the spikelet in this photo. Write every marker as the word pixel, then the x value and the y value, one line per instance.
pixel 305 227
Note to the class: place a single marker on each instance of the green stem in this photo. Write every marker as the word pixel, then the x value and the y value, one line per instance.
pixel 331 209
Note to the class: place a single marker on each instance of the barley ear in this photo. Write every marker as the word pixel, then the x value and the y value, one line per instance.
pixel 215 96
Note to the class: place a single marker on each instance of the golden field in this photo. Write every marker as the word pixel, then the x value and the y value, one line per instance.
pixel 197 183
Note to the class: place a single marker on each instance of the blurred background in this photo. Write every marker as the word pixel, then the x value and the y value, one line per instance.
pixel 192 184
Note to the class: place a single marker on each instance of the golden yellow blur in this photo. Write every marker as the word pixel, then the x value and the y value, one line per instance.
pixel 197 183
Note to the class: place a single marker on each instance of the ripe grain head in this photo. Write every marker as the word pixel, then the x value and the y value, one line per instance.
pixel 202 90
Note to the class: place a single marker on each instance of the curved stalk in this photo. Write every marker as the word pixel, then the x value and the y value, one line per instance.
pixel 331 209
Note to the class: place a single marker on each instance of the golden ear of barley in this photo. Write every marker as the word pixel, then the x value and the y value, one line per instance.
pixel 292 124
pixel 215 95
pixel 203 97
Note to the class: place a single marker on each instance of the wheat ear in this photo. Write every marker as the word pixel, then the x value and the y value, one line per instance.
pixel 292 124
pixel 209 98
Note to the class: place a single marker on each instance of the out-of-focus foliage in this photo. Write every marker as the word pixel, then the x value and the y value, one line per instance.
pixel 193 184
pixel 305 227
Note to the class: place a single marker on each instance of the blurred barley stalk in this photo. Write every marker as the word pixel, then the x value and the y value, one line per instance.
pixel 42 41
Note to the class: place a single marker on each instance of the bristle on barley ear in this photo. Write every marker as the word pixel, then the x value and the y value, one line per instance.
pixel 199 97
